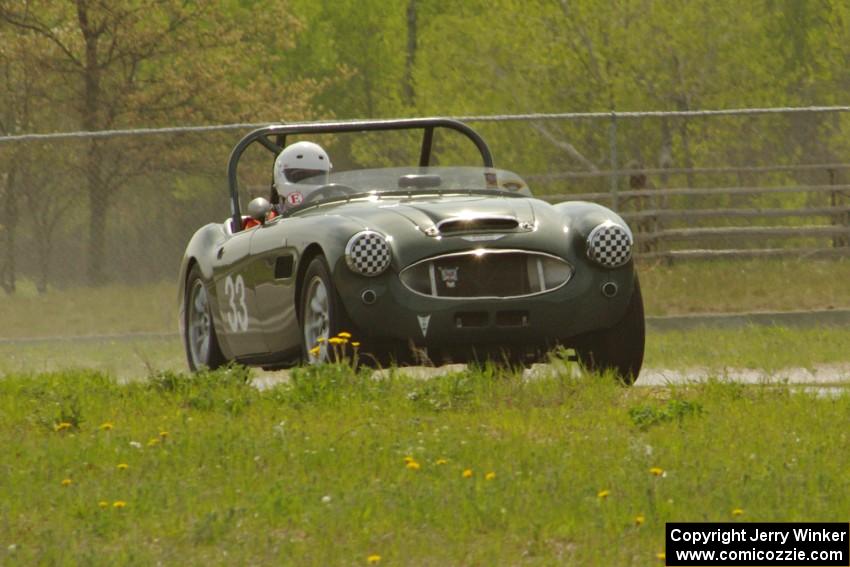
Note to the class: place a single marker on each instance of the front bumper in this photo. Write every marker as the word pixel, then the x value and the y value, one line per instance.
pixel 399 314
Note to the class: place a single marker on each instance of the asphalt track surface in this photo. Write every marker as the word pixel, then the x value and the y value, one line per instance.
pixel 823 375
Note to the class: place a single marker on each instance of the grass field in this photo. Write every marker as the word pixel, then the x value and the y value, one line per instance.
pixel 766 348
pixel 695 287
pixel 336 468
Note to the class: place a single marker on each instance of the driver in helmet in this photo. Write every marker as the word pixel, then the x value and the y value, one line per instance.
pixel 298 170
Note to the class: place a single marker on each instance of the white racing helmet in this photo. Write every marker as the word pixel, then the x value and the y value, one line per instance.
pixel 300 161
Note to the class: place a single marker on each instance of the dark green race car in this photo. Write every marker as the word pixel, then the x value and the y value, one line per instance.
pixel 417 263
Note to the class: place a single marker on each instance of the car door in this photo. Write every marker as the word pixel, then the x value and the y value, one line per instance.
pixel 235 274
pixel 274 288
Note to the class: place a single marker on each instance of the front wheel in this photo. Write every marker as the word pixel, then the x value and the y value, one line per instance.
pixel 199 338
pixel 321 312
pixel 619 348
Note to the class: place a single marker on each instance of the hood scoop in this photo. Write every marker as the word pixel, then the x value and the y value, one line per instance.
pixel 467 225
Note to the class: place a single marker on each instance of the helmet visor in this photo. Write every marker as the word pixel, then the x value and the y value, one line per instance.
pixel 294 174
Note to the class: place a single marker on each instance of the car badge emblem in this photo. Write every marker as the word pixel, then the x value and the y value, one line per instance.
pixel 449 276
pixel 423 324
pixel 295 198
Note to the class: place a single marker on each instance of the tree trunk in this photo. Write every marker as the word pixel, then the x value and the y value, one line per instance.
pixel 98 209
pixel 409 93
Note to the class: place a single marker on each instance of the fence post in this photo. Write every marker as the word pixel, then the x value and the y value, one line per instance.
pixel 612 140
pixel 840 218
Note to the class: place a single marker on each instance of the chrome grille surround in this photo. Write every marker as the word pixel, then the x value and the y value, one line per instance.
pixel 610 244
pixel 367 253
pixel 487 273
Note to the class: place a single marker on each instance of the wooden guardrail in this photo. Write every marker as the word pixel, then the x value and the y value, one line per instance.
pixel 669 225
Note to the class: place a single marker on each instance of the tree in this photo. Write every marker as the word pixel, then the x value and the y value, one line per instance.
pixel 149 62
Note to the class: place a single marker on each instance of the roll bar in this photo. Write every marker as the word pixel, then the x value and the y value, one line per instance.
pixel 273 138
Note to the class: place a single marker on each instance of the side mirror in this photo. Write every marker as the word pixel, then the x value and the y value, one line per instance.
pixel 259 208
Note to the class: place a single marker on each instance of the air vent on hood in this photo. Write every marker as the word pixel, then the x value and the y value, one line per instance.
pixel 481 224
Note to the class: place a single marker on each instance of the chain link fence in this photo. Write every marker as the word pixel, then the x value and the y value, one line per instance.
pixel 118 207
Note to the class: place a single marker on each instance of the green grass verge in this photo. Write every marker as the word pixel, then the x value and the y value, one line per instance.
pixel 337 467
pixel 769 348
pixel 694 287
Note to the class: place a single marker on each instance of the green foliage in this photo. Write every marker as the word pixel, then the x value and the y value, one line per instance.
pixel 646 415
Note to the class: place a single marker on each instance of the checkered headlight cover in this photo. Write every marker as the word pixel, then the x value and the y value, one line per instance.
pixel 368 253
pixel 609 245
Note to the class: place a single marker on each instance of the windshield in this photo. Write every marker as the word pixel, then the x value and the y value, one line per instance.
pixel 421 180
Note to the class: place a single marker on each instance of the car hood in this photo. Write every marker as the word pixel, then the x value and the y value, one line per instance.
pixel 427 213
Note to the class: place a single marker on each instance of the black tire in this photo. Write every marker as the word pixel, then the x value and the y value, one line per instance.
pixel 335 319
pixel 202 348
pixel 619 348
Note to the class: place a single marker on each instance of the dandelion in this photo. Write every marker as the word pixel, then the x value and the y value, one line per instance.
pixel 320 340
pixel 153 442
pixel 413 465
pixel 336 341
pixel 661 555
pixel 467 473
pixel 355 344
pixel 103 504
pixel 639 520
pixel 66 482
pixel 163 435
pixel 315 351
pixel 656 471
pixel 119 504
pixel 490 476
pixel 106 426
pixel 62 426
pixel 603 494
pixel 123 466
pixel 408 459
pixel 344 335
pixel 373 559
pixel 737 512
pixel 442 461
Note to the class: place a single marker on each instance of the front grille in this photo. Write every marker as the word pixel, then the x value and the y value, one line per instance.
pixel 487 273
pixel 483 224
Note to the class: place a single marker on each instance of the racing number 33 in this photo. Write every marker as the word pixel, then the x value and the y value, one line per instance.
pixel 237 316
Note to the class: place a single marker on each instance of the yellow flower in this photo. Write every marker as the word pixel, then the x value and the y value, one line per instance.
pixel 320 340
pixel 490 476
pixel 62 426
pixel 413 465
pixel 119 504
pixel 639 520
pixel 163 434
pixel 737 512
pixel 656 471
pixel 373 559
pixel 442 461
pixel 153 441
pixel 66 481
pixel 315 351
pixel 103 504
pixel 603 494
pixel 106 426
pixel 661 555
pixel 355 344
pixel 409 459
pixel 344 335
pixel 336 341
pixel 467 473
pixel 123 466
